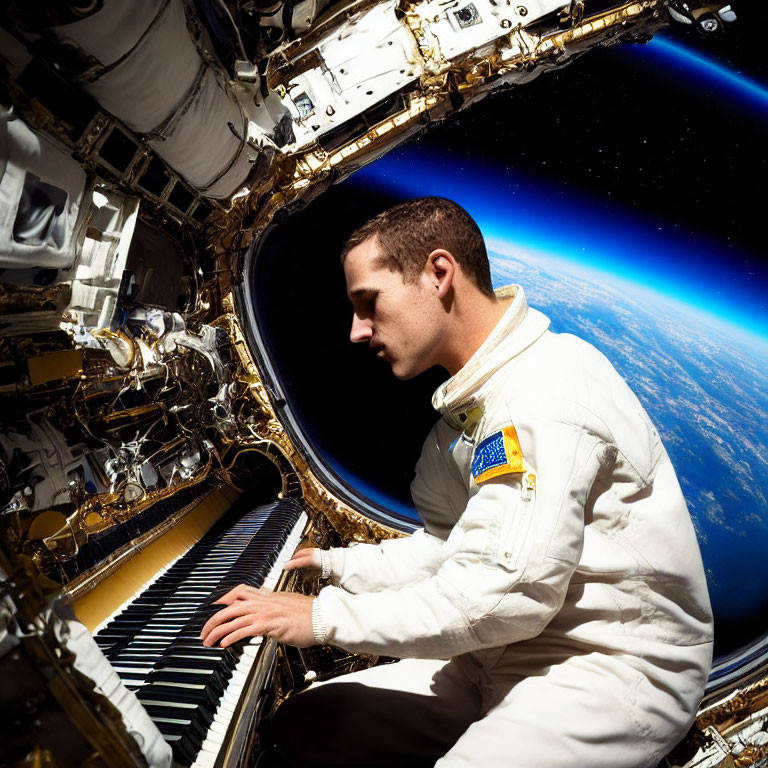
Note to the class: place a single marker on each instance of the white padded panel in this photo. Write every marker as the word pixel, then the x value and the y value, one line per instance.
pixel 113 31
pixel 29 152
pixel 199 144
pixel 152 82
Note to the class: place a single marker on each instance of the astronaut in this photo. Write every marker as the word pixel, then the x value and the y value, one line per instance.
pixel 553 611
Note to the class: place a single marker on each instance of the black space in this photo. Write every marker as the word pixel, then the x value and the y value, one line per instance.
pixel 349 404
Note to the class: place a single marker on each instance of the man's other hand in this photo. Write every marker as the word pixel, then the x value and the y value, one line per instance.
pixel 251 612
pixel 309 557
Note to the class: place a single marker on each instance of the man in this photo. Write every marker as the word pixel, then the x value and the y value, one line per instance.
pixel 553 611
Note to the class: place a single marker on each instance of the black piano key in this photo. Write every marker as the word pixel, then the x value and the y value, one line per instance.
pixel 199 716
pixel 200 699
pixel 190 698
pixel 209 678
pixel 183 752
pixel 181 661
pixel 134 664
pixel 193 729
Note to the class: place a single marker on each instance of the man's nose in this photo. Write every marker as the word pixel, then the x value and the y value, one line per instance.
pixel 361 330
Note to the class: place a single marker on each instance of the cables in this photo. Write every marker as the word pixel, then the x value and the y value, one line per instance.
pixel 224 8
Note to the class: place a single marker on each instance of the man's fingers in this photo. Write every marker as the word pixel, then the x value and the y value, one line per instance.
pixel 304 558
pixel 238 608
pixel 238 624
pixel 284 615
pixel 239 634
pixel 243 592
pixel 240 592
pixel 212 623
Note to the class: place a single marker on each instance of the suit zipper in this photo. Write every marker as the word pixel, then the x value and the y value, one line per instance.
pixel 512 543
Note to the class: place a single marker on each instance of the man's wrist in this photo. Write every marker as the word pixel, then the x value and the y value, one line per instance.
pixel 326 567
pixel 320 628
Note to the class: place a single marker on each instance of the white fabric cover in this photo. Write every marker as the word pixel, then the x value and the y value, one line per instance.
pixel 199 144
pixel 111 32
pixel 25 151
pixel 150 84
pixel 158 85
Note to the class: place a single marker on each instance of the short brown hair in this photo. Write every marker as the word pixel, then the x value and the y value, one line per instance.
pixel 409 232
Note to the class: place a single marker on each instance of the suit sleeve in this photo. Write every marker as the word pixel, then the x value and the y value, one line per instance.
pixel 390 564
pixel 506 565
pixel 398 562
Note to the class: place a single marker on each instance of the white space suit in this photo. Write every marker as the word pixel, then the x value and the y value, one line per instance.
pixel 558 570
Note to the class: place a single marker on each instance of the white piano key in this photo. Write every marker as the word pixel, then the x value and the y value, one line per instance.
pixel 173 704
pixel 218 728
pixel 206 759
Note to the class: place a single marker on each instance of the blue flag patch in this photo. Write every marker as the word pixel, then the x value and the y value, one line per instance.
pixel 498 454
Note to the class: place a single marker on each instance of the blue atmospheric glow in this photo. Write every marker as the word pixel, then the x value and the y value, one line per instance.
pixel 691 63
pixel 372 492
pixel 526 212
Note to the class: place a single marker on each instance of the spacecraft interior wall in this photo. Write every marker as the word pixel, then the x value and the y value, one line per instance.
pixel 163 83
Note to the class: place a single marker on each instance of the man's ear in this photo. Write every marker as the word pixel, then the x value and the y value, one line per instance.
pixel 441 271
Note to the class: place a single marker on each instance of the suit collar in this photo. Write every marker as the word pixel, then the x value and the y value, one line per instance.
pixel 517 329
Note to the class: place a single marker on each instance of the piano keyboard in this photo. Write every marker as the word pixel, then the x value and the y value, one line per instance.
pixel 153 643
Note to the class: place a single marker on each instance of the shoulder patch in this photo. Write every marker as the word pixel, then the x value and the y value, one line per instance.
pixel 498 454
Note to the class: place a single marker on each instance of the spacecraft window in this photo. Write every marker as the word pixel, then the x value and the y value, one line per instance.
pixel 346 409
pixel 180 197
pixel 304 105
pixel 155 178
pixel 200 214
pixel 118 150
pixel 467 16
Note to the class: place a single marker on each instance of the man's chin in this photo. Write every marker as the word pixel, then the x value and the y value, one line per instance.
pixel 404 374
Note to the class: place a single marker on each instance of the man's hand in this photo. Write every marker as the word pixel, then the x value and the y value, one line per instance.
pixel 309 557
pixel 250 612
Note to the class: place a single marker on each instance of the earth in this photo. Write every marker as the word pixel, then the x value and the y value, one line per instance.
pixel 703 382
